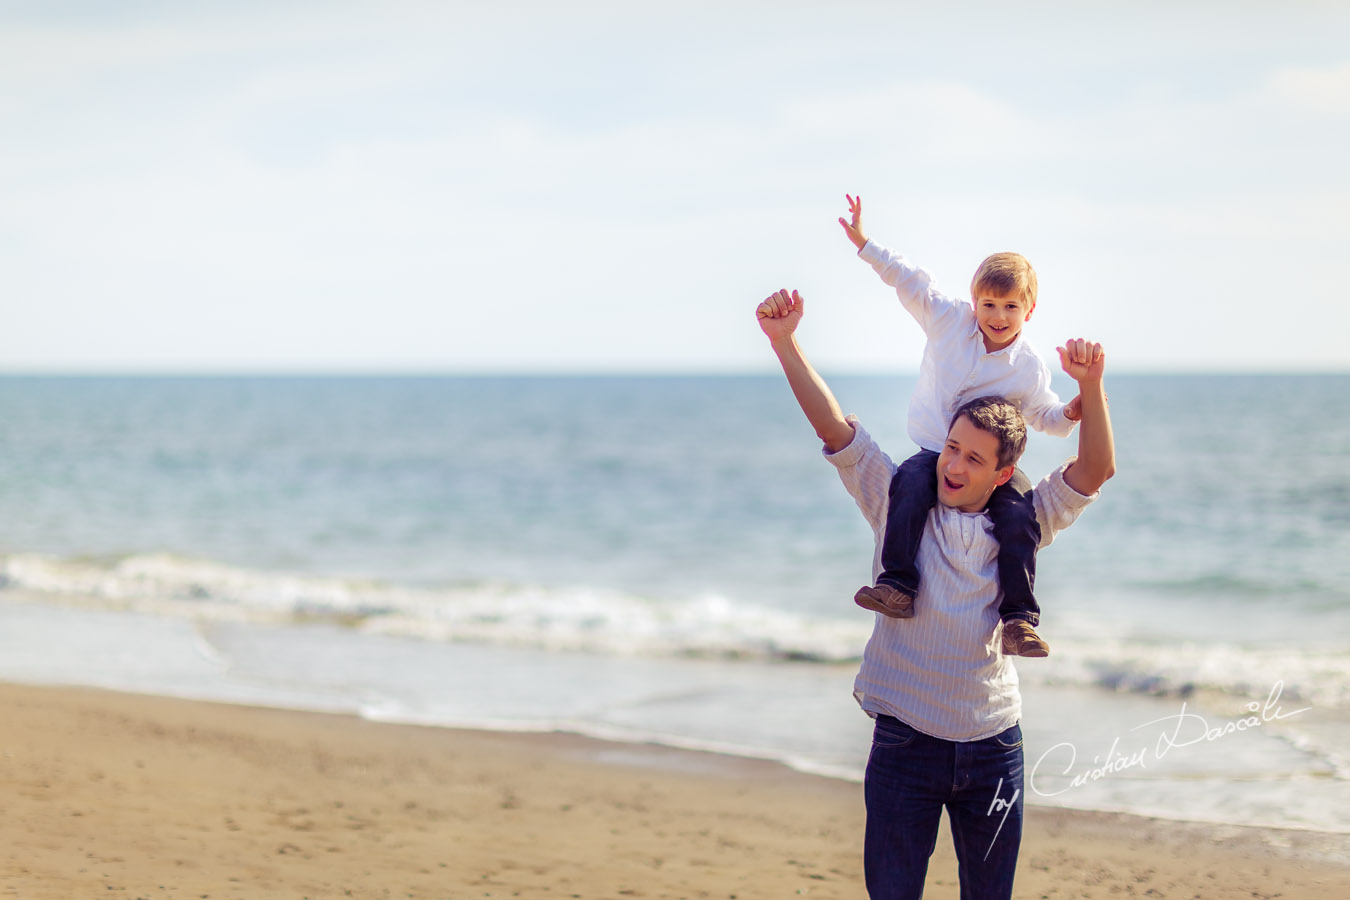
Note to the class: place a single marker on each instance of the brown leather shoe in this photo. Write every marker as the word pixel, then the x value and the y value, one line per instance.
pixel 887 600
pixel 1020 639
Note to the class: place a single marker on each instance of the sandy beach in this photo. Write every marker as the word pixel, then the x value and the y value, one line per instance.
pixel 109 794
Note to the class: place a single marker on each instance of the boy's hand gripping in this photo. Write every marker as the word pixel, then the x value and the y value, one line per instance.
pixel 1073 410
pixel 854 229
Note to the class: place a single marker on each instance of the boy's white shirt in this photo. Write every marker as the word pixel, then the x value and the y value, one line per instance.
pixel 956 367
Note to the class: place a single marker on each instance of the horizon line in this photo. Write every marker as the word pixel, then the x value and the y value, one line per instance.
pixel 593 373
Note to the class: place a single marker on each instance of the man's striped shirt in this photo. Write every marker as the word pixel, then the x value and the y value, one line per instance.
pixel 942 672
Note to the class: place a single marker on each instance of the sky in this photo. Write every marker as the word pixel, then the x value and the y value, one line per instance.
pixel 612 187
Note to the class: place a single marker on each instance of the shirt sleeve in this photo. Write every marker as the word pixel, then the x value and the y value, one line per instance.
pixel 1042 407
pixel 1057 505
pixel 913 285
pixel 866 473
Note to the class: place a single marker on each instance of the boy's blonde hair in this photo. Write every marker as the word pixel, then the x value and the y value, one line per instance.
pixel 1005 275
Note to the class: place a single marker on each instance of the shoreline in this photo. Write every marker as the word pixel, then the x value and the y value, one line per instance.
pixel 1280 777
pixel 146 796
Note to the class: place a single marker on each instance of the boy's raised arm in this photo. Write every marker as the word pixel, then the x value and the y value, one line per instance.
pixel 928 307
pixel 1085 362
pixel 779 316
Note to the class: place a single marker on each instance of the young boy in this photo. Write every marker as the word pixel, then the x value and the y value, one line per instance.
pixel 972 350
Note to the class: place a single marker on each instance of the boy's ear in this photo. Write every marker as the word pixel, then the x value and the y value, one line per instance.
pixel 1031 309
pixel 1004 475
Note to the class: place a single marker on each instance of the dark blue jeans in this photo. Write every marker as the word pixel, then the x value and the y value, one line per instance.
pixel 913 493
pixel 910 778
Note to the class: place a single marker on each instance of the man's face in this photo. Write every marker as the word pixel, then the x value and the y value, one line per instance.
pixel 967 467
pixel 1000 318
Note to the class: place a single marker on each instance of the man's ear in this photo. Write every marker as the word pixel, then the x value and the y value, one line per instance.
pixel 1003 475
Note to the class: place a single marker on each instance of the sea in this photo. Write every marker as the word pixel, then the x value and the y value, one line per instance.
pixel 670 560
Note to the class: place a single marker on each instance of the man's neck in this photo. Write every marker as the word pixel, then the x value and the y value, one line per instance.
pixel 982 506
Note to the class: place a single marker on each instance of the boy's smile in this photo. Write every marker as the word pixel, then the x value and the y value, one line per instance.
pixel 1000 318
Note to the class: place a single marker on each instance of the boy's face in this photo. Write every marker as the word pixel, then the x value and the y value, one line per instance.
pixel 1000 318
pixel 967 467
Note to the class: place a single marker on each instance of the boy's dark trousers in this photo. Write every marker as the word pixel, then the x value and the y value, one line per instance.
pixel 913 493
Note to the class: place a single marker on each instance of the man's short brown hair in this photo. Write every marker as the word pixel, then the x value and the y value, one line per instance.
pixel 1005 275
pixel 1001 419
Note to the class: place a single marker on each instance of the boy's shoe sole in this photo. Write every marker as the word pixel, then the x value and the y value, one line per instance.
pixel 887 600
pixel 1020 639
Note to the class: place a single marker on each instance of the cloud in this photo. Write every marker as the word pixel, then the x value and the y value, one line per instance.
pixel 1319 91
pixel 303 173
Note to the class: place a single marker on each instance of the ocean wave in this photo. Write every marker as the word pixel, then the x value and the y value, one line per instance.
pixel 581 619
pixel 1319 676
pixel 602 621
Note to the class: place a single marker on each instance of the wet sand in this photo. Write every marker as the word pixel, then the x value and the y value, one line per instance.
pixel 120 795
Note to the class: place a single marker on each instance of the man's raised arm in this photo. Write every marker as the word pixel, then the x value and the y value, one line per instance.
pixel 779 316
pixel 1085 363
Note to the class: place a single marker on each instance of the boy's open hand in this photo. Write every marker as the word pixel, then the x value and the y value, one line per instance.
pixel 1082 360
pixel 854 229
pixel 779 314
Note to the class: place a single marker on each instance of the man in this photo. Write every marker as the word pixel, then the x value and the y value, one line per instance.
pixel 944 696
